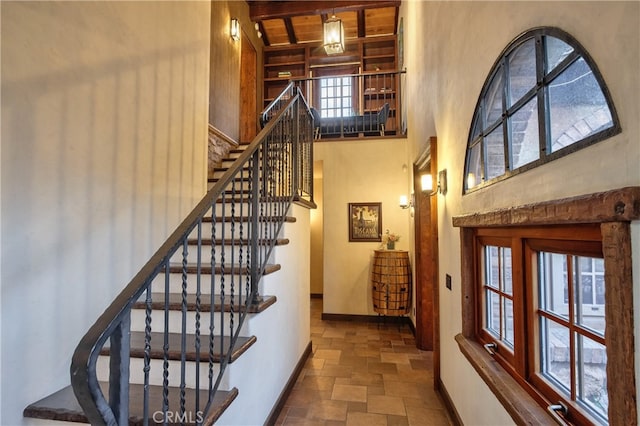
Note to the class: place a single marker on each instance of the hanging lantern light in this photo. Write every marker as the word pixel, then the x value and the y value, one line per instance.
pixel 333 36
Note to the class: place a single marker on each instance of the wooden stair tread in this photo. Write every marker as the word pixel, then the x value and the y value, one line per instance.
pixel 237 179
pixel 230 242
pixel 220 346
pixel 192 268
pixel 239 199
pixel 175 303
pixel 209 219
pixel 63 405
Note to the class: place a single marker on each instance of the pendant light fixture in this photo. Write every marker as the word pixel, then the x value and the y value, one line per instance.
pixel 333 36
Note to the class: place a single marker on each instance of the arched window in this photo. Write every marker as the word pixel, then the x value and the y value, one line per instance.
pixel 544 98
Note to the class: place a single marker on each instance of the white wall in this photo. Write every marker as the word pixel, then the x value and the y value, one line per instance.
pixel 355 172
pixel 450 48
pixel 261 373
pixel 104 130
pixel 317 231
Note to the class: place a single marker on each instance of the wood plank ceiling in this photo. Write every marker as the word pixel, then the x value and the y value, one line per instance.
pixel 286 22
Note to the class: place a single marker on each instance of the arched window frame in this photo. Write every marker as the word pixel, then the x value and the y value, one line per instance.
pixel 480 129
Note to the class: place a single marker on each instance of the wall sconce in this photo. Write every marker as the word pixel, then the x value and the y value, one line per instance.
pixel 405 203
pixel 235 29
pixel 333 36
pixel 426 182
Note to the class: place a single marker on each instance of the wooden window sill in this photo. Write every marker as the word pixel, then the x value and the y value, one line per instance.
pixel 519 404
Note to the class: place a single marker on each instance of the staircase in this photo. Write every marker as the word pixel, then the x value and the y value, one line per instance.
pixel 173 346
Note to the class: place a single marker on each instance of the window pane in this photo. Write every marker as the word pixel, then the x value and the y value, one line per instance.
pixel 507 331
pixel 554 353
pixel 477 128
pixel 525 140
pixel 578 107
pixel 474 167
pixel 591 374
pixel 493 98
pixel 507 276
pixel 493 312
pixel 554 284
pixel 556 51
pixel 494 143
pixel 590 291
pixel 522 70
pixel 491 267
pixel 583 282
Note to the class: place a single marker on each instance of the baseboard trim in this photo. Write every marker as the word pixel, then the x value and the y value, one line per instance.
pixel 368 318
pixel 448 403
pixel 282 399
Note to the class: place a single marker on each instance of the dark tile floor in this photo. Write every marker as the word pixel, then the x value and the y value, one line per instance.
pixel 363 374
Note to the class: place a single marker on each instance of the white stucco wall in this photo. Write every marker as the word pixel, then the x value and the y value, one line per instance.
pixel 356 172
pixel 450 48
pixel 104 130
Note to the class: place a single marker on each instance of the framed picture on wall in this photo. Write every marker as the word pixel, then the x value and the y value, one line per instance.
pixel 365 222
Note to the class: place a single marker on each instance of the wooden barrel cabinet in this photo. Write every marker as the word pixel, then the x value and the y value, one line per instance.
pixel 391 282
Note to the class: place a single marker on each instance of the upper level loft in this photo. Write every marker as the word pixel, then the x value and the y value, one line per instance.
pixel 354 94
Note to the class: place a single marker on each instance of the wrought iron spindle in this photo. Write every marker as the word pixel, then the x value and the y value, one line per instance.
pixel 183 335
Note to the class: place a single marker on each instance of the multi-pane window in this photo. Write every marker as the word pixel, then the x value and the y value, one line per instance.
pixel 498 293
pixel 541 296
pixel 336 97
pixel 543 99
pixel 572 344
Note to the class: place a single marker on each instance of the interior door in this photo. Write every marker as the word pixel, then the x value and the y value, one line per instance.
pixel 248 90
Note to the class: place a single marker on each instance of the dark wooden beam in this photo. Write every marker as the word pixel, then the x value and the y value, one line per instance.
pixel 361 28
pixel 290 31
pixel 265 38
pixel 262 10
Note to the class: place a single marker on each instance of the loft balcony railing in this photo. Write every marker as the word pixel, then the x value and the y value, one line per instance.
pixel 219 253
pixel 356 105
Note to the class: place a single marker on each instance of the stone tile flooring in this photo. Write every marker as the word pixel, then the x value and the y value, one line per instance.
pixel 363 374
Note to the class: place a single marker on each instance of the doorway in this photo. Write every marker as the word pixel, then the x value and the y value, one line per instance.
pixel 248 90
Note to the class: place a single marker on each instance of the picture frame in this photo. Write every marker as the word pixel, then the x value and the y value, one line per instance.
pixel 365 222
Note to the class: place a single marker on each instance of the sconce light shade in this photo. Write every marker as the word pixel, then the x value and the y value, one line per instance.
pixel 404 202
pixel 333 36
pixel 235 29
pixel 426 182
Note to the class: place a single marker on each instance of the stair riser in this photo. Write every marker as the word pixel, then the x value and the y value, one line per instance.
pixel 175 284
pixel 221 322
pixel 136 372
pixel 227 255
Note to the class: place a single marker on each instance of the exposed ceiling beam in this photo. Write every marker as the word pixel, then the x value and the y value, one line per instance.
pixel 265 39
pixel 361 29
pixel 290 31
pixel 262 10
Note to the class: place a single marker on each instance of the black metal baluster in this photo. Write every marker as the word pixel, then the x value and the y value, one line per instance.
pixel 119 352
pixel 255 217
pixel 183 334
pixel 212 309
pixel 147 352
pixel 222 282
pixel 165 346
pixel 198 308
pixel 232 262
